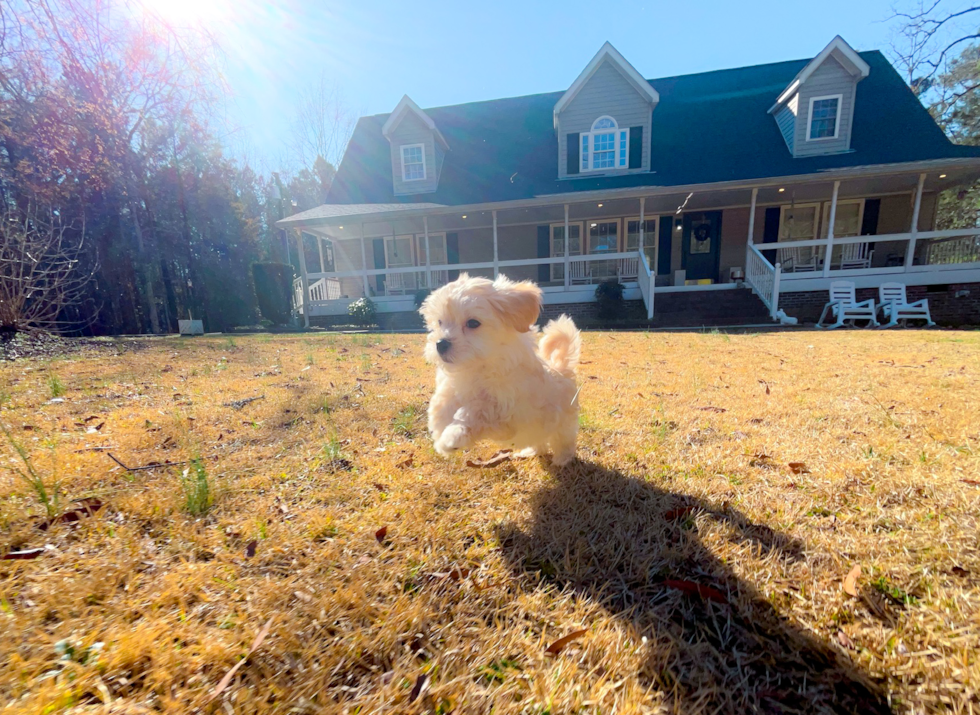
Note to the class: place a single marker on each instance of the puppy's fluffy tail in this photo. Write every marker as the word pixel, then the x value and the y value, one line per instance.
pixel 561 345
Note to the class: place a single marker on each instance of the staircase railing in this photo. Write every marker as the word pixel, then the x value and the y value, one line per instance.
pixel 763 278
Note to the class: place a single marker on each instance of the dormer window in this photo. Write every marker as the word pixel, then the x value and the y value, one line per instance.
pixel 824 120
pixel 605 147
pixel 413 162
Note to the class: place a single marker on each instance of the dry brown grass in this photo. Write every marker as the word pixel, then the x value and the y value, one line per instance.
pixel 683 484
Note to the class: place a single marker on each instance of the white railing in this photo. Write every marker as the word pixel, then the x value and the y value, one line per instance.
pixel 763 278
pixel 321 289
pixel 947 251
pixel 647 282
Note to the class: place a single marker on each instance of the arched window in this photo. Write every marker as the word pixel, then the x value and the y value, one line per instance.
pixel 605 147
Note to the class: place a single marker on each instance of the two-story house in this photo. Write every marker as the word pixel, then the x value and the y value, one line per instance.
pixel 713 198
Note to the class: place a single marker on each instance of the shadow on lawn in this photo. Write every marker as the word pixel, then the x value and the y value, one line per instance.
pixel 613 539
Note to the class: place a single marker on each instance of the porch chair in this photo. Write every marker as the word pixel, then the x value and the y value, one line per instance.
pixel 628 269
pixel 856 255
pixel 895 306
pixel 395 283
pixel 844 307
pixel 579 272
pixel 798 260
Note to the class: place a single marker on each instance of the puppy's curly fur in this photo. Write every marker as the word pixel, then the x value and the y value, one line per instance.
pixel 495 379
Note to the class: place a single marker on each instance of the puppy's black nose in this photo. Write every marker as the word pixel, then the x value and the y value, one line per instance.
pixel 443 346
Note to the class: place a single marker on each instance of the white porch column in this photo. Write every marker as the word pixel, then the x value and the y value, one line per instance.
pixel 828 252
pixel 910 253
pixel 364 267
pixel 428 254
pixel 755 199
pixel 567 262
pixel 496 258
pixel 643 202
pixel 305 280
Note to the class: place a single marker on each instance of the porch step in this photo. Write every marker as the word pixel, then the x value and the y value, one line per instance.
pixel 709 308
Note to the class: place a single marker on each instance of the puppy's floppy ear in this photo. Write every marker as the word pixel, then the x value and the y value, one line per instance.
pixel 518 304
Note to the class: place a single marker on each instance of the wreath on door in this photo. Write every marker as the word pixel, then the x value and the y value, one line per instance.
pixel 702 233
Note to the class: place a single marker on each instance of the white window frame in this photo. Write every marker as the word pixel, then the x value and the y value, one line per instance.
pixel 825 215
pixel 420 247
pixel 809 117
pixel 650 240
pixel 815 205
pixel 588 138
pixel 620 237
pixel 390 242
pixel 424 168
pixel 558 269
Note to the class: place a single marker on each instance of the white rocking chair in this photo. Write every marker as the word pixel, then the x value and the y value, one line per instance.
pixel 895 306
pixel 798 260
pixel 844 307
pixel 856 255
pixel 579 272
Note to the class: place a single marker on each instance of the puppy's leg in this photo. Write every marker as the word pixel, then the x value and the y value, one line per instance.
pixel 442 407
pixel 563 442
pixel 463 431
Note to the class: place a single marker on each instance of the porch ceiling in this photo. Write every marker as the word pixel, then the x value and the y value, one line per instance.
pixel 346 221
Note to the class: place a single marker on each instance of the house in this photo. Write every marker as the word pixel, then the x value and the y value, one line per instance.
pixel 714 198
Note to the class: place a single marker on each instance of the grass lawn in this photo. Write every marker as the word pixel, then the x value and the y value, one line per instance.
pixel 694 560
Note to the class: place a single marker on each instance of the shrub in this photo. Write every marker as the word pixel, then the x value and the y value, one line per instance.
pixel 362 311
pixel 609 295
pixel 420 295
pixel 273 288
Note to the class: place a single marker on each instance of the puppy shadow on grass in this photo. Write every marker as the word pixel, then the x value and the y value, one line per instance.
pixel 634 547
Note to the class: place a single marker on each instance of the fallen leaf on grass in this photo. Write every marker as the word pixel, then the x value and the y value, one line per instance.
pixel 380 487
pixel 421 685
pixel 86 507
pixel 972 482
pixel 29 428
pixel 303 596
pixel 850 581
pixel 250 548
pixel 494 461
pixel 798 467
pixel 712 408
pixel 678 513
pixel 695 589
pixel 22 555
pixel 380 534
pixel 220 687
pixel 556 647
pixel 453 575
pixel 407 463
pixel 763 382
pixel 845 640
pixel 960 571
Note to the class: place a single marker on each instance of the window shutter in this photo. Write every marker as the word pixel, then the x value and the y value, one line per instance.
pixel 666 231
pixel 869 224
pixel 452 253
pixel 572 143
pixel 636 147
pixel 378 245
pixel 544 251
pixel 770 231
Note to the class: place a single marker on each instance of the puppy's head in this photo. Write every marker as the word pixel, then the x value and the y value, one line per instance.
pixel 473 318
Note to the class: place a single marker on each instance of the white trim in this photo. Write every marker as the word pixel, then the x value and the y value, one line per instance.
pixel 404 106
pixel 792 207
pixel 607 51
pixel 809 117
pixel 859 68
pixel 425 172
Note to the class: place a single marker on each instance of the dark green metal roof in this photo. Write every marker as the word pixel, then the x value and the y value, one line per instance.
pixel 707 128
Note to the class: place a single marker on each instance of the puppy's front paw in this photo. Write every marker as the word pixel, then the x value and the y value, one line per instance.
pixel 454 437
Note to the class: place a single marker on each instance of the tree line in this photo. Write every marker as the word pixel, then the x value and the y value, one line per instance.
pixel 121 210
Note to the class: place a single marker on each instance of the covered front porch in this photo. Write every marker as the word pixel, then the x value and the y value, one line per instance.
pixel 788 235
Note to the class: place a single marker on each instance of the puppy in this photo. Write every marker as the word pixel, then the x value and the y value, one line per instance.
pixel 494 379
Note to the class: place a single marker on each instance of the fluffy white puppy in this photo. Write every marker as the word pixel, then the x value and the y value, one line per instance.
pixel 495 379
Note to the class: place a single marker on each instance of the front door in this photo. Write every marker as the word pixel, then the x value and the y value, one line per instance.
pixel 702 245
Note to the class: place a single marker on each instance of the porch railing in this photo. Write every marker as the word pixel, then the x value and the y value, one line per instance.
pixel 321 289
pixel 763 278
pixel 647 282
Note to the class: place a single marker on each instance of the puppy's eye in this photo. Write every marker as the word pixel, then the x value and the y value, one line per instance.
pixel 472 324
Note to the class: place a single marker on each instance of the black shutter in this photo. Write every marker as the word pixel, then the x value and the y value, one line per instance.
pixel 770 231
pixel 869 224
pixel 544 251
pixel 452 253
pixel 571 141
pixel 666 239
pixel 379 262
pixel 636 147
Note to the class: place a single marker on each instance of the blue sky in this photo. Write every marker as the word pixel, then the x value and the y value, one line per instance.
pixel 443 53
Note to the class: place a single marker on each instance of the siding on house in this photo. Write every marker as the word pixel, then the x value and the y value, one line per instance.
pixel 606 92
pixel 786 120
pixel 412 130
pixel 829 79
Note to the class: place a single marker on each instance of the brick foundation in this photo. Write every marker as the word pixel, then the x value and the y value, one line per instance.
pixel 953 305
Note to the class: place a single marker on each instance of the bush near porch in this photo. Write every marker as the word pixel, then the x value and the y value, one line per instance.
pixel 696 560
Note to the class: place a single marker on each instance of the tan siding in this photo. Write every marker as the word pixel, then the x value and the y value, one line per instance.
pixel 606 92
pixel 734 236
pixel 412 130
pixel 830 78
